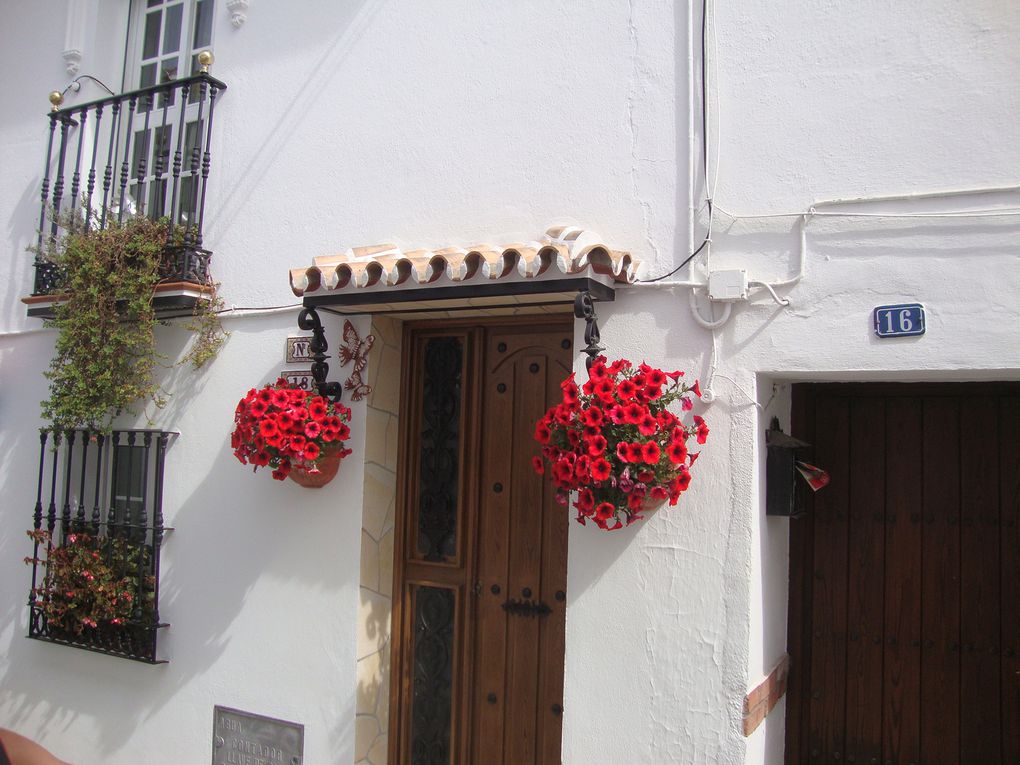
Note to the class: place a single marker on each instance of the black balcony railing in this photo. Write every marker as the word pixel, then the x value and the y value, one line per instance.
pixel 145 152
pixel 99 496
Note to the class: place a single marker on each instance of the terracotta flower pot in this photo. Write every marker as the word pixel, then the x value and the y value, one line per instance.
pixel 317 474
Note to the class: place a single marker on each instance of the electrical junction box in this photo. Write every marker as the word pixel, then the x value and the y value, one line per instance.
pixel 727 286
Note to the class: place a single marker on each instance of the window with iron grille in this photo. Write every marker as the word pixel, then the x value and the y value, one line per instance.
pixel 97 531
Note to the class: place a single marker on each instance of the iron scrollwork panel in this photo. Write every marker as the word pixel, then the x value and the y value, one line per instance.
pixel 440 448
pixel 432 675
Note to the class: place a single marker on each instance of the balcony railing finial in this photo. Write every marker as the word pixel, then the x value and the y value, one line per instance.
pixel 205 60
pixel 56 99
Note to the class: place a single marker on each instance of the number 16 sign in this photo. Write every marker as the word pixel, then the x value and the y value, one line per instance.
pixel 901 320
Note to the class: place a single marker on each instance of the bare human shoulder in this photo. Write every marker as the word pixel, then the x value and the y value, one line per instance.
pixel 24 751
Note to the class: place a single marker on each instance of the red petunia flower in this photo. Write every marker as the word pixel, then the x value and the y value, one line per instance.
pixel 268 428
pixel 658 492
pixel 696 389
pixel 622 452
pixel 635 453
pixel 312 451
pixel 538 465
pixel 633 413
pixel 596 445
pixel 626 390
pixel 650 452
pixel 648 425
pixel 312 429
pixel 601 469
pixel 605 390
pixel 655 377
pixel 280 398
pixel 585 501
pixel 677 452
pixel 317 410
pixel 604 511
pixel 542 432
pixel 592 416
pixel 581 468
pixel 702 429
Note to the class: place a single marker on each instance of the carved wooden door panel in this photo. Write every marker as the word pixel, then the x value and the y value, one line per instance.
pixel 480 575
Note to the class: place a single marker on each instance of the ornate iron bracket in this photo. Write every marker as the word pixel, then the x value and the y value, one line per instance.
pixel 527 608
pixel 584 308
pixel 308 320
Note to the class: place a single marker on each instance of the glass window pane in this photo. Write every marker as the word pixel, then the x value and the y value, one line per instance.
pixel 440 449
pixel 148 76
pixel 203 24
pixel 192 138
pixel 157 199
pixel 140 149
pixel 150 44
pixel 172 29
pixel 432 675
pixel 129 467
pixel 185 212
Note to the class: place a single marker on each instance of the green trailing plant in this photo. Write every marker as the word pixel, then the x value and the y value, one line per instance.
pixel 106 353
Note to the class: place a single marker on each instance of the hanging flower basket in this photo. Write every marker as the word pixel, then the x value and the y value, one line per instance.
pixel 615 443
pixel 296 432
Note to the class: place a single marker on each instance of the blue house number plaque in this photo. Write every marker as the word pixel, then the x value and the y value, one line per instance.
pixel 901 320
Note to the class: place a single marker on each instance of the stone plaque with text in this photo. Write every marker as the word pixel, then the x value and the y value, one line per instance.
pixel 243 738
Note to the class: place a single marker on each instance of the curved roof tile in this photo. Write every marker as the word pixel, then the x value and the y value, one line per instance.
pixel 563 249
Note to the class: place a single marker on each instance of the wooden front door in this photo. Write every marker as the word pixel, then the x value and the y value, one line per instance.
pixel 905 577
pixel 481 553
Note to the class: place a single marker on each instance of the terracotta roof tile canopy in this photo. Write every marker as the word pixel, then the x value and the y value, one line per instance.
pixel 385 278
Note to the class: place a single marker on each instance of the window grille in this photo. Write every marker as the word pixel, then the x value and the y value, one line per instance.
pixel 101 496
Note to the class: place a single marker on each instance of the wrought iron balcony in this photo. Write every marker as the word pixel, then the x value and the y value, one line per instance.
pixel 141 153
pixel 99 499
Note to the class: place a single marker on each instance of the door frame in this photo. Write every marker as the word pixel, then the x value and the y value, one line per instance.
pixel 401 702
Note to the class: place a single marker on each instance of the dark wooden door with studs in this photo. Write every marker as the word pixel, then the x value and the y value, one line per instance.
pixel 481 557
pixel 904 627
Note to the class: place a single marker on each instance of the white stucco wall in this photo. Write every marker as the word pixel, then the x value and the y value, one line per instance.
pixel 455 122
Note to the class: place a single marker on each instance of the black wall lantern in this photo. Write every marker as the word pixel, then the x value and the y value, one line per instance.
pixel 781 472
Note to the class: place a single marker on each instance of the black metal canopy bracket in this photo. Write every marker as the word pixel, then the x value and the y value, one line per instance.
pixel 584 308
pixel 308 320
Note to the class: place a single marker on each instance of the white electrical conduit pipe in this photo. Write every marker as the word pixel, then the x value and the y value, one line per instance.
pixel 701 320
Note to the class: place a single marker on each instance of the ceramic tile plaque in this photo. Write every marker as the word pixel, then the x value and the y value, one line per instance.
pixel 299 349
pixel 300 378
pixel 243 738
